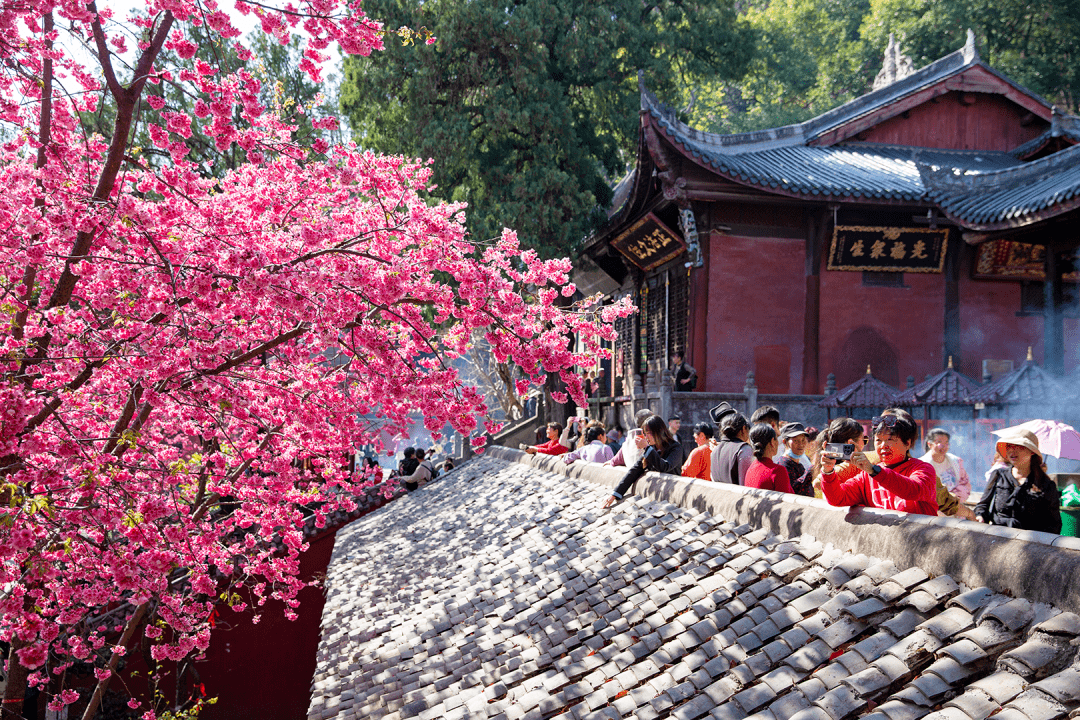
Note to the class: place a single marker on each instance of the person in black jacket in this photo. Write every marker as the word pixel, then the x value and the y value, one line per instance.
pixel 662 453
pixel 1021 496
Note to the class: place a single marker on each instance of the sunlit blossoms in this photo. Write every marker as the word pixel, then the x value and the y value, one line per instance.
pixel 189 359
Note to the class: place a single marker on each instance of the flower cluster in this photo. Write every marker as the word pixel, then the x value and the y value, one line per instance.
pixel 189 360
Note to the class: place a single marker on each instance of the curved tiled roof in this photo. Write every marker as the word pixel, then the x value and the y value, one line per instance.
pixel 948 387
pixel 866 392
pixel 1011 196
pixel 1028 383
pixel 981 190
pixel 502 592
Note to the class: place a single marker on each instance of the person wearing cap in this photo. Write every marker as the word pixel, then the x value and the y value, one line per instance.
pixel 949 468
pixel 897 482
pixel 1022 495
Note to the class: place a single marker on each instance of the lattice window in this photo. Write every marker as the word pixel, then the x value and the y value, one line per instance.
pixel 624 345
pixel 654 329
pixel 678 309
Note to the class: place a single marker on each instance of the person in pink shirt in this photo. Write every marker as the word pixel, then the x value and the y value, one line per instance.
pixel 897 482
pixel 764 473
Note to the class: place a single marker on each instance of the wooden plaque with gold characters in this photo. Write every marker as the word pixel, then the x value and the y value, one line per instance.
pixel 888 249
pixel 649 243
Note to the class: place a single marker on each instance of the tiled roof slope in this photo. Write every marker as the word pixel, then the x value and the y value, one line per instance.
pixel 867 392
pixel 501 591
pixel 948 387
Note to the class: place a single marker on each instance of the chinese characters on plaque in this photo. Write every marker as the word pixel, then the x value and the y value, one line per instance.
pixel 649 243
pixel 888 249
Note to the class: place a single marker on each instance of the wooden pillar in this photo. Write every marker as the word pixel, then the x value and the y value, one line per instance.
pixel 817 229
pixel 951 341
pixel 1053 328
pixel 697 331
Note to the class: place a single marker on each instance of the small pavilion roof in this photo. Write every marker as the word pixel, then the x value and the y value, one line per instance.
pixel 1028 383
pixel 867 391
pixel 948 387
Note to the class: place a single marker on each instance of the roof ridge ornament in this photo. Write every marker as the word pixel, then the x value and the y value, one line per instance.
pixel 971 54
pixel 896 66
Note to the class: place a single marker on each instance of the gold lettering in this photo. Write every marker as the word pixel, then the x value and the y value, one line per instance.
pixel 898 251
pixel 877 250
pixel 919 251
pixel 857 249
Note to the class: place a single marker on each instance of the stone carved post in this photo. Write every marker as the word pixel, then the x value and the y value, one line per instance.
pixel 750 389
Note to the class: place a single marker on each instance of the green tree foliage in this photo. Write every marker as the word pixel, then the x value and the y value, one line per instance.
pixel 813 55
pixel 1035 42
pixel 530 107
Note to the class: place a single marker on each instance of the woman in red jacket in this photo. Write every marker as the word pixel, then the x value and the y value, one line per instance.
pixel 898 482
pixel 764 473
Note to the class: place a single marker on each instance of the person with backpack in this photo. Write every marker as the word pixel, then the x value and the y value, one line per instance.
pixel 423 474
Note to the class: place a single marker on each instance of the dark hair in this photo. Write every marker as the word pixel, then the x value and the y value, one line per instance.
pixel 553 426
pixel 656 425
pixel 409 451
pixel 843 430
pixel 733 424
pixel 594 432
pixel 905 427
pixel 420 453
pixel 764 414
pixel 761 435
pixel 674 417
pixel 641 416
pixel 704 428
pixel 934 432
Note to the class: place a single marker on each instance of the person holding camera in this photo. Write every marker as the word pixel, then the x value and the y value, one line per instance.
pixel 764 473
pixel 660 452
pixel 897 482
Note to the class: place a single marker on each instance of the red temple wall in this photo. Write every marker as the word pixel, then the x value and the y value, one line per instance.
pixel 755 316
pixel 991 122
pixel 990 327
pixel 897 331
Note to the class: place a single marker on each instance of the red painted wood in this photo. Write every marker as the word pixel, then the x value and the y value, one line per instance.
pixel 990 123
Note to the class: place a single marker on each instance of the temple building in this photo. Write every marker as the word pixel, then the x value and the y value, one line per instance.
pixel 932 220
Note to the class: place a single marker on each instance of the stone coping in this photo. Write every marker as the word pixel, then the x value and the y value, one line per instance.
pixel 1019 563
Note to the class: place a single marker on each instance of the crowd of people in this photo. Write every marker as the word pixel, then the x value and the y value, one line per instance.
pixel 841 464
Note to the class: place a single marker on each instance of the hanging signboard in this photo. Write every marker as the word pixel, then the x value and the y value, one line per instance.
pixel 649 243
pixel 1008 260
pixel 888 249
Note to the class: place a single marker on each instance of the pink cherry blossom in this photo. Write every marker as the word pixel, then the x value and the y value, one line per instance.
pixel 189 361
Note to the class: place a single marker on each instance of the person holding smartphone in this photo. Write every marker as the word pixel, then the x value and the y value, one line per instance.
pixel 660 452
pixel 897 482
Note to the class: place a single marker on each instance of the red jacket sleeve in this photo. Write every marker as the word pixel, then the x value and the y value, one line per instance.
pixel 781 481
pixel 844 492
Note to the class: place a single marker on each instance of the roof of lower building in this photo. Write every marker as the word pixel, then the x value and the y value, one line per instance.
pixel 948 387
pixel 502 591
pixel 866 392
pixel 1028 383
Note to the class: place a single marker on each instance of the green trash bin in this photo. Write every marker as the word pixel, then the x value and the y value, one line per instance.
pixel 1070 521
pixel 1070 511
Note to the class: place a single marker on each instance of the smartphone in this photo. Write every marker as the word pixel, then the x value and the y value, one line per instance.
pixel 842 451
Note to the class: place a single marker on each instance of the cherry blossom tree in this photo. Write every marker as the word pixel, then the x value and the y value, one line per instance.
pixel 190 356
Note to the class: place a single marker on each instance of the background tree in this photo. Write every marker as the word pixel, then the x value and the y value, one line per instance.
pixel 813 55
pixel 530 108
pixel 191 353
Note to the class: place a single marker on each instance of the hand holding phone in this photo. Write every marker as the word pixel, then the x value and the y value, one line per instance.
pixel 839 451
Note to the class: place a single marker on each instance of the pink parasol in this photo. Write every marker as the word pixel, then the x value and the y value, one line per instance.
pixel 1055 438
